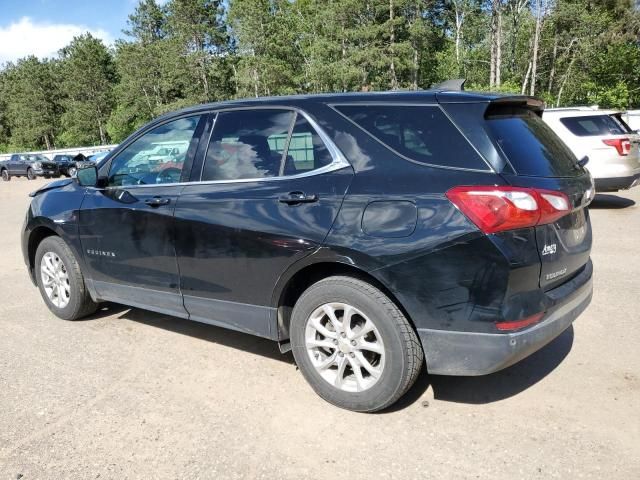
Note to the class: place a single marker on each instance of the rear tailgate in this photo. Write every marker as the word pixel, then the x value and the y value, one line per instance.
pixel 539 159
pixel 565 245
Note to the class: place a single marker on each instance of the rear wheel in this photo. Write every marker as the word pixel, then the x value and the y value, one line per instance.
pixel 5 175
pixel 30 174
pixel 60 280
pixel 353 345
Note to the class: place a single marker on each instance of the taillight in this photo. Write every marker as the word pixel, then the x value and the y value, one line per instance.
pixel 498 208
pixel 622 145
pixel 516 324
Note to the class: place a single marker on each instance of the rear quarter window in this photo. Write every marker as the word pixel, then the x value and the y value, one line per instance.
pixel 421 134
pixel 594 125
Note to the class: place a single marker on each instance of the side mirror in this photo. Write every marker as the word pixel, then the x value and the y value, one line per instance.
pixel 87 176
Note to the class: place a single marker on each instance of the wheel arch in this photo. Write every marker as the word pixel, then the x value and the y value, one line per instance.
pixel 290 291
pixel 36 237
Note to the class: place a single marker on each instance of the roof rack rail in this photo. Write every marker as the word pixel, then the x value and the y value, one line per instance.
pixel 453 84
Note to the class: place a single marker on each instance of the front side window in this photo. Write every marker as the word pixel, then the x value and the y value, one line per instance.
pixel 156 157
pixel 422 134
pixel 247 144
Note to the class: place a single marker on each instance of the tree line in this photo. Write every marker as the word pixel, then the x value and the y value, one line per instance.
pixel 186 52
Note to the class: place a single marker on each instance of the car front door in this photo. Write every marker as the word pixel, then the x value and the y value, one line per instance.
pixel 126 226
pixel 267 196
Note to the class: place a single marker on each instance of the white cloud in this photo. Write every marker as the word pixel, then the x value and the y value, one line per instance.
pixel 26 37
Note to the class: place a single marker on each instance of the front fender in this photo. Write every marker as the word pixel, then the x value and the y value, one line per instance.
pixel 53 211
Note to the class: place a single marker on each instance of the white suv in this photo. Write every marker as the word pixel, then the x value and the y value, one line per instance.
pixel 603 136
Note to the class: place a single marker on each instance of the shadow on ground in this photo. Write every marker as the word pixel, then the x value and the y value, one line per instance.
pixel 614 202
pixel 497 386
pixel 202 331
pixel 470 390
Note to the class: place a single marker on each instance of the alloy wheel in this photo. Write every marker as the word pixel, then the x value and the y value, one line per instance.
pixel 55 279
pixel 345 347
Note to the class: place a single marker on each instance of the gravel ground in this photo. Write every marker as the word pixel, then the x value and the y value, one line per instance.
pixel 133 394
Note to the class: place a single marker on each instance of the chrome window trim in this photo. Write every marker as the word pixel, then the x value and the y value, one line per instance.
pixel 339 160
pixel 334 106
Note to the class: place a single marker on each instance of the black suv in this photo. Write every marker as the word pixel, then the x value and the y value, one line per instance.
pixel 367 232
pixel 30 165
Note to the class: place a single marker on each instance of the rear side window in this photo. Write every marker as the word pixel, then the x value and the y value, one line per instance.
pixel 529 144
pixel 594 125
pixel 306 150
pixel 247 144
pixel 419 133
pixel 253 144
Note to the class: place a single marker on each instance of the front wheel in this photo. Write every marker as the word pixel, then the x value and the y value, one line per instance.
pixel 353 345
pixel 60 280
pixel 31 174
pixel 71 172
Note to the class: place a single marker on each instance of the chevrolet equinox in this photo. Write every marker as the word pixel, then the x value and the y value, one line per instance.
pixel 370 233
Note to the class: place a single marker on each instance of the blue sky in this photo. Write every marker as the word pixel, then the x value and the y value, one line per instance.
pixel 41 27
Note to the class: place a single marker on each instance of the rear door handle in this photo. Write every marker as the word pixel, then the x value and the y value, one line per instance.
pixel 295 198
pixel 157 201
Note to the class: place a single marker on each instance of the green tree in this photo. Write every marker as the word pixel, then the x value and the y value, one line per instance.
pixel 199 30
pixel 31 99
pixel 88 76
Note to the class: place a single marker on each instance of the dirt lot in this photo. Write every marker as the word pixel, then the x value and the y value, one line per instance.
pixel 133 394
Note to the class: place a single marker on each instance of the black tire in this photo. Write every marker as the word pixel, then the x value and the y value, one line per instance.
pixel 403 353
pixel 80 303
pixel 30 174
pixel 45 176
pixel 5 175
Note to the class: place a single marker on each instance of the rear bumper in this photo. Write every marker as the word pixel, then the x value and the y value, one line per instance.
pixel 614 184
pixel 470 353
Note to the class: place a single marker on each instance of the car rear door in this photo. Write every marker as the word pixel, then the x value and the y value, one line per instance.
pixel 18 165
pixel 11 163
pixel 126 227
pixel 269 191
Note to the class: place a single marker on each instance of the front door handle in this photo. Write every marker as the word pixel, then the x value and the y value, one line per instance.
pixel 295 198
pixel 157 201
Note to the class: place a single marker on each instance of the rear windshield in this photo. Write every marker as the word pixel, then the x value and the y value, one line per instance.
pixel 419 133
pixel 595 125
pixel 529 145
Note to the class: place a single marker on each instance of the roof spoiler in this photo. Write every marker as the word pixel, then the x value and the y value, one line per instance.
pixel 453 84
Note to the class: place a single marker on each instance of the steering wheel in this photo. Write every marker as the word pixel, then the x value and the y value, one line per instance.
pixel 169 175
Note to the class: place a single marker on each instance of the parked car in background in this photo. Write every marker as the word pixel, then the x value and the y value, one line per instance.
pixel 66 164
pixel 97 157
pixel 632 118
pixel 603 136
pixel 364 232
pixel 28 165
